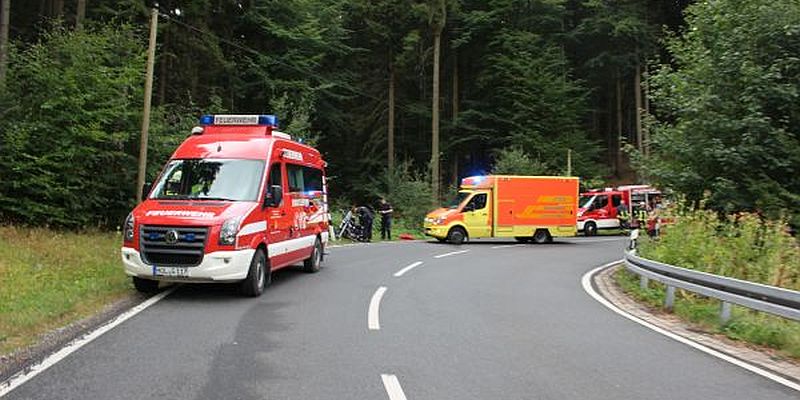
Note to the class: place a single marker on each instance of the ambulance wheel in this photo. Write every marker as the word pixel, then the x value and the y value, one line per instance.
pixel 542 236
pixel 457 235
pixel 145 285
pixel 258 276
pixel 311 264
pixel 590 229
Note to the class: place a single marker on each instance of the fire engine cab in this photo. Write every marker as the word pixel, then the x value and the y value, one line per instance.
pixel 236 201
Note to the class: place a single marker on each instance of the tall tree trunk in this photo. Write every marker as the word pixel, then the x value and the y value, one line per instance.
pixel 646 132
pixel 437 41
pixel 58 8
pixel 618 140
pixel 5 11
pixel 80 14
pixel 637 87
pixel 163 59
pixel 456 104
pixel 612 152
pixel 390 133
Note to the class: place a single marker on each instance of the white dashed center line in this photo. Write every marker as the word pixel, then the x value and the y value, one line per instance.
pixel 373 317
pixel 408 268
pixel 450 254
pixel 393 388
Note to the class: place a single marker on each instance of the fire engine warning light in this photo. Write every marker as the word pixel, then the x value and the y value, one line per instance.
pixel 264 120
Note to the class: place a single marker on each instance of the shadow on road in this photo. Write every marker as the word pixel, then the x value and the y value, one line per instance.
pixel 230 291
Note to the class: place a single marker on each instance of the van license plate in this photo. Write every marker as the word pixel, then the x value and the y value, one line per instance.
pixel 177 272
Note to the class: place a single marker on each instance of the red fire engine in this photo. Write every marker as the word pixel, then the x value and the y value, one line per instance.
pixel 236 201
pixel 599 209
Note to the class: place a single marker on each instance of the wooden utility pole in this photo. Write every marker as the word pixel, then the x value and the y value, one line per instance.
pixel 148 94
pixel 390 133
pixel 569 162
pixel 5 10
pixel 80 14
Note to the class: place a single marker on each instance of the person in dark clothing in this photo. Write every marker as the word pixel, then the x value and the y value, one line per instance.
pixel 385 209
pixel 365 218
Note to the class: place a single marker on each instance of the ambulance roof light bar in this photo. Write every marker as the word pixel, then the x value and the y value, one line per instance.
pixel 227 119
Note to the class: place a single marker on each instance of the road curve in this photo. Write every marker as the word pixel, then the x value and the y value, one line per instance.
pixel 494 322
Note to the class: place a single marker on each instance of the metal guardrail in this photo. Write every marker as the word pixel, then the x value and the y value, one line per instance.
pixel 769 299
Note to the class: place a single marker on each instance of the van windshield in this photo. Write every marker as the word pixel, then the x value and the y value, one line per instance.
pixel 458 200
pixel 585 200
pixel 210 179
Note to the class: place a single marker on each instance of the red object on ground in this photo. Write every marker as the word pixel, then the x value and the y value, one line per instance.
pixel 406 236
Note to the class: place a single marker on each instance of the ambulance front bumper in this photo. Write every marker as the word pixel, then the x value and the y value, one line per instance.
pixel 437 231
pixel 219 266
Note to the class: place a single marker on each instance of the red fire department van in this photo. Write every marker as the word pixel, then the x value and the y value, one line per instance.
pixel 598 209
pixel 236 201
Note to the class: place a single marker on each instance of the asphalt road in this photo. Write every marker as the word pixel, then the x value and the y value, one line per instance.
pixel 494 322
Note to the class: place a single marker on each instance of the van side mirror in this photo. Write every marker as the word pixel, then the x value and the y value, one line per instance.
pixel 146 189
pixel 274 196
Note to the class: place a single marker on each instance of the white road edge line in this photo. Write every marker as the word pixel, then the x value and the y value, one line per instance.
pixel 393 388
pixel 408 268
pixel 373 314
pixel 586 281
pixel 617 239
pixel 452 253
pixel 505 246
pixel 24 376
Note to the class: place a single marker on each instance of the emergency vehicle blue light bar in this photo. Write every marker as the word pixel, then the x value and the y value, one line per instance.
pixel 264 120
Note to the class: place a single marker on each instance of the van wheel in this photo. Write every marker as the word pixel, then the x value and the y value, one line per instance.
pixel 145 285
pixel 457 235
pixel 311 264
pixel 258 276
pixel 542 236
pixel 590 229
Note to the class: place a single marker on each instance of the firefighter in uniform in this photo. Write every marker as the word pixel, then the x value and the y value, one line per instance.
pixel 641 215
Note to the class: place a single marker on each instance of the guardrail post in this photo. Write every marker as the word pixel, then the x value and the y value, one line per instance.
pixel 725 312
pixel 669 300
pixel 643 282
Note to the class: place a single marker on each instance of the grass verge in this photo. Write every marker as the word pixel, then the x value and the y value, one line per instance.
pixel 49 279
pixel 746 325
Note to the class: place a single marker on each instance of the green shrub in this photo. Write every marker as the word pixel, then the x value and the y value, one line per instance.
pixel 742 246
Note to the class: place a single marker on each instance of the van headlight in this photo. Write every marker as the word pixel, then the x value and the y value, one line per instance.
pixel 127 233
pixel 227 235
pixel 435 221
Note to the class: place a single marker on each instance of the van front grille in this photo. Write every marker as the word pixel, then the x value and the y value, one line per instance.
pixel 173 245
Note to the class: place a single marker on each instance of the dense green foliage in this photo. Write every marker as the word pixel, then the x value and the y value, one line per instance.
pixel 728 106
pixel 742 246
pixel 522 82
pixel 68 134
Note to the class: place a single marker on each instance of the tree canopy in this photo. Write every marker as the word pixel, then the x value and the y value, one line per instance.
pixel 707 102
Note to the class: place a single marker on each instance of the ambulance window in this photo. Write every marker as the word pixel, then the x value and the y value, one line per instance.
pixel 616 200
pixel 275 175
pixel 478 201
pixel 312 179
pixel 295 175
